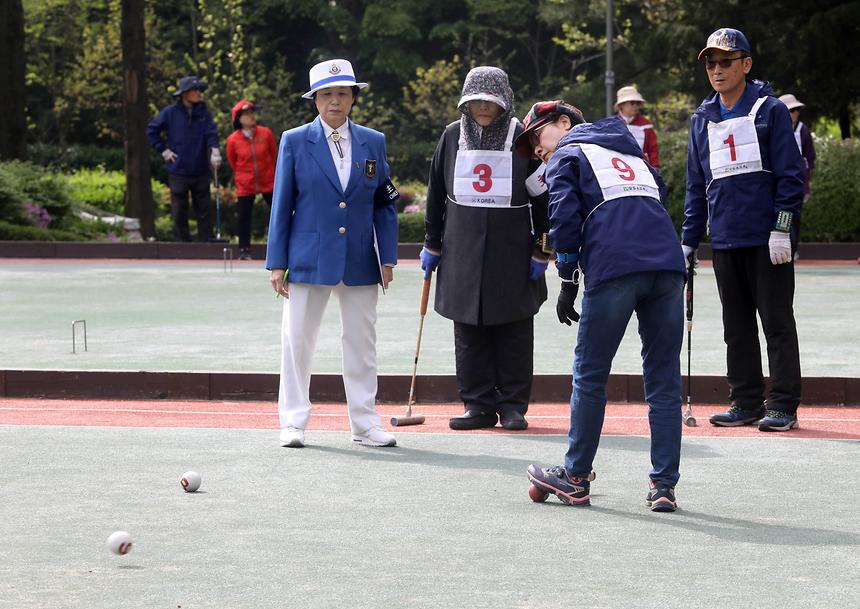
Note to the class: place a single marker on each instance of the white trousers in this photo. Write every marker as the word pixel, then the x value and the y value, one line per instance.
pixel 303 312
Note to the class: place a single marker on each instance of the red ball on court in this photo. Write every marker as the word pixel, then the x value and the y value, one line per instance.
pixel 537 495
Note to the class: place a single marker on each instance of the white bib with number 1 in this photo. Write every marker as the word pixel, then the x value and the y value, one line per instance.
pixel 733 145
pixel 484 178
pixel 620 175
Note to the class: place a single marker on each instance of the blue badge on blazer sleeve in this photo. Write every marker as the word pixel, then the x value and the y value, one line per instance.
pixel 386 193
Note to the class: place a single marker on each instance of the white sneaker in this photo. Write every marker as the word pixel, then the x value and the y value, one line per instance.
pixel 374 437
pixel 292 437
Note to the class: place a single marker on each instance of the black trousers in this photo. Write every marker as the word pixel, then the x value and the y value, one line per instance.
pixel 245 205
pixel 495 365
pixel 201 199
pixel 749 283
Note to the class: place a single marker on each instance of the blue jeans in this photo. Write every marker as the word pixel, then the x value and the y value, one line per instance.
pixel 657 299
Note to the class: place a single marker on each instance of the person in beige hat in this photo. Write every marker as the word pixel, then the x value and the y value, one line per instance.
pixel 628 105
pixel 801 136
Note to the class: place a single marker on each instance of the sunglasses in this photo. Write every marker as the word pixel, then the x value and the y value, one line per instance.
pixel 711 64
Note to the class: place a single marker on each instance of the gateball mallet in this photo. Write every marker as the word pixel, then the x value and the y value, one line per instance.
pixel 409 418
pixel 689 419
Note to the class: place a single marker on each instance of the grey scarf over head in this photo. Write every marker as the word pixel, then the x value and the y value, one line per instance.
pixel 491 84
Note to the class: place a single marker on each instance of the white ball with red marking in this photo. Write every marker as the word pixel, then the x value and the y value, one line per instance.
pixel 119 542
pixel 190 481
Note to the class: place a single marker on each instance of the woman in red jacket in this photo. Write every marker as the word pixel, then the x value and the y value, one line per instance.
pixel 252 152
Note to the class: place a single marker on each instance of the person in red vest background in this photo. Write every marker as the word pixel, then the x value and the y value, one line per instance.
pixel 252 153
pixel 628 105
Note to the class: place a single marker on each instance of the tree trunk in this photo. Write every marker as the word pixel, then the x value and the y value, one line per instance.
pixel 845 123
pixel 13 120
pixel 138 175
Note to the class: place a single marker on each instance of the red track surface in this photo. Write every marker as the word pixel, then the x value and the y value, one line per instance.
pixel 621 419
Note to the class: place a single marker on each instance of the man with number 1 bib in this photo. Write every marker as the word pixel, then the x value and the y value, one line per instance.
pixel 609 225
pixel 745 182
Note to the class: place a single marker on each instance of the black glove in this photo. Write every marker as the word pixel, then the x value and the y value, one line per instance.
pixel 566 299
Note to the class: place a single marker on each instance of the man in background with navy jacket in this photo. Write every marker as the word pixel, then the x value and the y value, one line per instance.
pixel 190 154
pixel 745 185
pixel 607 220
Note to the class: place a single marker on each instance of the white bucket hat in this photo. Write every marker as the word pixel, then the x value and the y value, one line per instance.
pixel 332 73
pixel 791 101
pixel 627 94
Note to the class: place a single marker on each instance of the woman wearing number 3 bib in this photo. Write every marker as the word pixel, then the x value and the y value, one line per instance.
pixel 486 209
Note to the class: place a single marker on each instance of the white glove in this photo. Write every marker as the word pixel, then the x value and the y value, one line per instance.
pixel 169 155
pixel 780 247
pixel 215 157
pixel 687 251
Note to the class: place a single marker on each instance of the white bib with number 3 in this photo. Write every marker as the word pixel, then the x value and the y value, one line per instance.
pixel 484 178
pixel 620 175
pixel 733 145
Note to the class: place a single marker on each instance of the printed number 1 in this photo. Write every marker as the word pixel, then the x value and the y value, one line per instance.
pixel 731 142
pixel 485 175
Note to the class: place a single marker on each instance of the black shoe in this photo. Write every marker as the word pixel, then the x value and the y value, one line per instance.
pixel 513 420
pixel 661 498
pixel 245 254
pixel 474 420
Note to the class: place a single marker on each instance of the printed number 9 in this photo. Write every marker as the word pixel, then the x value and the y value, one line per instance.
pixel 625 171
pixel 484 181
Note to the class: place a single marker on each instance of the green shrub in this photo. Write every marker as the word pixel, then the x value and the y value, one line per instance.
pixel 27 185
pixel 19 232
pixel 98 188
pixel 832 212
pixel 411 227
pixel 76 156
pixel 673 169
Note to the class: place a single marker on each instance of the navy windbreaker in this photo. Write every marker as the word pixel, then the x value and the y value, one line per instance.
pixel 740 210
pixel 191 135
pixel 630 234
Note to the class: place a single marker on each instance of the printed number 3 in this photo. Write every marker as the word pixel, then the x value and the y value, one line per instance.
pixel 484 181
pixel 625 171
pixel 731 142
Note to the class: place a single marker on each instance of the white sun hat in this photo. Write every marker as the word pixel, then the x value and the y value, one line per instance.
pixel 627 94
pixel 791 101
pixel 332 73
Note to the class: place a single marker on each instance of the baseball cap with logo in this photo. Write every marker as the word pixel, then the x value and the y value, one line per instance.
pixel 540 114
pixel 332 73
pixel 727 39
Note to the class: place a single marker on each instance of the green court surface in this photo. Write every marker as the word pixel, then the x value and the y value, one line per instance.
pixel 440 522
pixel 174 316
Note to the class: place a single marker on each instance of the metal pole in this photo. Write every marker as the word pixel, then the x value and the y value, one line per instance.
pixel 610 75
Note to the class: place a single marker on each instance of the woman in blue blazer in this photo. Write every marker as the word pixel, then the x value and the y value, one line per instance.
pixel 333 230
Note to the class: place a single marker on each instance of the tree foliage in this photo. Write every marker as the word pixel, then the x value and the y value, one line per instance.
pixel 415 53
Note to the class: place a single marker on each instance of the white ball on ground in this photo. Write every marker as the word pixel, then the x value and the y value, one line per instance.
pixel 190 481
pixel 119 542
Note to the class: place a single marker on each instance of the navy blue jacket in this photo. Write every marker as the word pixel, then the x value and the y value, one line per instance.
pixel 630 234
pixel 740 210
pixel 190 134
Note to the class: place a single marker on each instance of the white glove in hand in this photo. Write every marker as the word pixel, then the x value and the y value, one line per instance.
pixel 780 247
pixel 215 157
pixel 169 155
pixel 687 251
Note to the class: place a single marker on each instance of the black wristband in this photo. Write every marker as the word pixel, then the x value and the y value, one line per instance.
pixel 783 221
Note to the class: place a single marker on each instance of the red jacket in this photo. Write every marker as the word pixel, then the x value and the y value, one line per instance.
pixel 253 166
pixel 643 132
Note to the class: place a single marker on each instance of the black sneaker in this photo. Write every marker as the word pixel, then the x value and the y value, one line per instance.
pixel 737 416
pixel 245 254
pixel 556 481
pixel 776 420
pixel 661 498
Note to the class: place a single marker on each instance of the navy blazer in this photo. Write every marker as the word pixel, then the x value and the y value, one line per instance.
pixel 320 233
